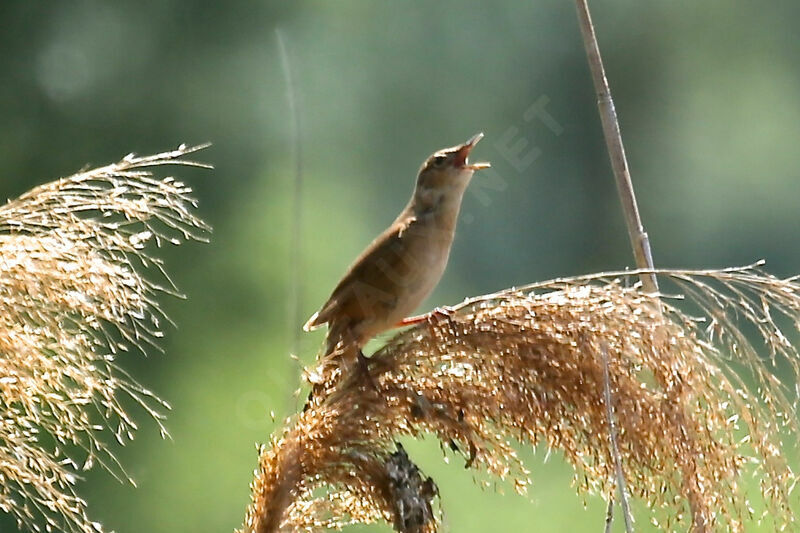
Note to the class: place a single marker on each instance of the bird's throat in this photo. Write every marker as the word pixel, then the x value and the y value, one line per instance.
pixel 439 212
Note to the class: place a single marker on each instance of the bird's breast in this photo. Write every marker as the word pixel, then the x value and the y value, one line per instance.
pixel 428 249
pixel 417 260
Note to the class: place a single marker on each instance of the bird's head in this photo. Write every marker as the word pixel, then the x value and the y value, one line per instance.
pixel 446 174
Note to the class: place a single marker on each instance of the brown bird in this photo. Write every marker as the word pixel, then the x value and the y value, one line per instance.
pixel 403 264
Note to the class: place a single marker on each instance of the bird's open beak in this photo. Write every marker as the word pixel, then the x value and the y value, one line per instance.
pixel 463 153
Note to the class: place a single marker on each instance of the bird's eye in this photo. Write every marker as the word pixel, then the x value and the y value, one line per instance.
pixel 439 160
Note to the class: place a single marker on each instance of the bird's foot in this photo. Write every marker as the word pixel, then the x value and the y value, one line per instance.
pixel 324 387
pixel 432 317
pixel 309 400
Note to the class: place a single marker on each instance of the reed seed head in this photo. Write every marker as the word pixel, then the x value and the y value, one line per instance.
pixel 78 287
pixel 695 385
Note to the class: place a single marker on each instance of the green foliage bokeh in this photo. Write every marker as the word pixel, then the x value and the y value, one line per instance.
pixel 707 98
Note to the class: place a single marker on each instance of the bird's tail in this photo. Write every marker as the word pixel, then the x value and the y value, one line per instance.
pixel 312 323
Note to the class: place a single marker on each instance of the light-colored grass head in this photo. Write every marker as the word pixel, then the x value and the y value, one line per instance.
pixel 78 286
pixel 698 387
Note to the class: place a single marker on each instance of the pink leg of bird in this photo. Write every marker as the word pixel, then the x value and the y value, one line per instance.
pixel 445 312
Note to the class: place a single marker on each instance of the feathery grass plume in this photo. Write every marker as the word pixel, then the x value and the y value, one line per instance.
pixel 77 287
pixel 698 399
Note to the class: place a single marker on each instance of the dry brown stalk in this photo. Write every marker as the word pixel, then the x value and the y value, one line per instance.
pixel 78 283
pixel 622 489
pixel 527 365
pixel 640 242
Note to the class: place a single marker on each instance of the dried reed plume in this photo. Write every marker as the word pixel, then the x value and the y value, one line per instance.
pixel 696 393
pixel 77 287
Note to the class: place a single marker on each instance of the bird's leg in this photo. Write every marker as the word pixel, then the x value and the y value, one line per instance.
pixel 363 364
pixel 444 312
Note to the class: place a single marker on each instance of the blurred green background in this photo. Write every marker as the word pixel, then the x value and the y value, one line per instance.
pixel 708 100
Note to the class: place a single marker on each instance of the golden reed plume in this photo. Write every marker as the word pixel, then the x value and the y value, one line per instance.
pixel 77 288
pixel 698 385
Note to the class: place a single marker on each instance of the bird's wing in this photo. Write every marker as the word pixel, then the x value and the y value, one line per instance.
pixel 370 279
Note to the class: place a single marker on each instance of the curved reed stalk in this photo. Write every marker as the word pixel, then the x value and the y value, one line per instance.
pixel 78 286
pixel 698 397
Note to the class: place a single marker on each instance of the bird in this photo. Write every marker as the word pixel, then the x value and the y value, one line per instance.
pixel 403 265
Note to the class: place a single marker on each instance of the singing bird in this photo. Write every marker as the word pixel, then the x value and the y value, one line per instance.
pixel 401 267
